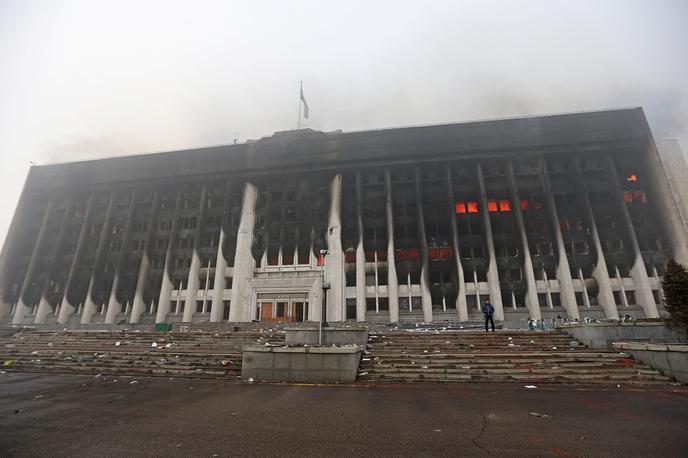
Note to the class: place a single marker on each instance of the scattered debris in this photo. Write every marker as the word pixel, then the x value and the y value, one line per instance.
pixel 8 363
pixel 133 382
pixel 530 386
pixel 362 373
pixel 540 415
pixel 118 343
pixel 98 375
pixel 39 396
pixel 437 430
pixel 250 380
pixel 226 362
pixel 168 345
pixel 154 345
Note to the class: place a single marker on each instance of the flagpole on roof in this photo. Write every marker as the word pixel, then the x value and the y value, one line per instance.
pixel 298 125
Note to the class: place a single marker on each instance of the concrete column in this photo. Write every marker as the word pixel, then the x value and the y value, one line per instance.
pixel 241 309
pixel 144 266
pixel 164 300
pixel 461 306
pixel 492 271
pixel 101 253
pixel 643 291
pixel 334 261
pixel 360 253
pixel 66 308
pixel 193 281
pixel 568 296
pixel 43 305
pixel 531 289
pixel 217 306
pixel 392 281
pixel 605 297
pixel 22 307
pixel 426 298
pixel 114 307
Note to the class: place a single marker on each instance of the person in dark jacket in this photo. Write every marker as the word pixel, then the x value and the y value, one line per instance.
pixel 488 311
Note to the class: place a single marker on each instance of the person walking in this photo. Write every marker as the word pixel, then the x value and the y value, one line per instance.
pixel 488 311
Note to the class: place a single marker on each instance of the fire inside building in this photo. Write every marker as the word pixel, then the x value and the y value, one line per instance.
pixel 562 215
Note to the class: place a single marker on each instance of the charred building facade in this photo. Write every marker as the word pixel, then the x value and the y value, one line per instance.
pixel 569 215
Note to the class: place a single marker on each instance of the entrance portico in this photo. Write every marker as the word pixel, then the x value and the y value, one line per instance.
pixel 282 307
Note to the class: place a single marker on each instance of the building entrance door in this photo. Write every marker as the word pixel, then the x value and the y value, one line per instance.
pixel 266 311
pixel 299 310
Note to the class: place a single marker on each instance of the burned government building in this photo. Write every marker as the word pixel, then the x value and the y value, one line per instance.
pixel 563 215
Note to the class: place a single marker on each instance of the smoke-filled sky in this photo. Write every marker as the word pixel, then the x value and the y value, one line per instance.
pixel 96 78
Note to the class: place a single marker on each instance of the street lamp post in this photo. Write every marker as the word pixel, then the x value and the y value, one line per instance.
pixel 325 287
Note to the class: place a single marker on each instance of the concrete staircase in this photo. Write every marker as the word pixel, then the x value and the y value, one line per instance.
pixel 176 354
pixel 502 356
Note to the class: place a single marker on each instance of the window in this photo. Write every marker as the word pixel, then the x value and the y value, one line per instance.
pixel 460 207
pixel 472 206
pixel 491 206
pixel 524 204
pixel 504 206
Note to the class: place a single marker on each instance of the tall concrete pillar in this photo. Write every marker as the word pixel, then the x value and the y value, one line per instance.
pixel 217 306
pixel 22 308
pixel 392 281
pixel 101 253
pixel 532 302
pixel 426 298
pixel 164 300
pixel 638 271
pixel 114 307
pixel 139 304
pixel 66 308
pixel 360 253
pixel 461 306
pixel 600 273
pixel 192 281
pixel 334 261
pixel 492 271
pixel 43 304
pixel 568 296
pixel 240 308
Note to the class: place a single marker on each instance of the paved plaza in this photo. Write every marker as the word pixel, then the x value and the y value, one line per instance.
pixel 51 415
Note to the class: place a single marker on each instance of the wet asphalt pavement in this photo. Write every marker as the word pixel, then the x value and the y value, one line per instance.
pixel 86 416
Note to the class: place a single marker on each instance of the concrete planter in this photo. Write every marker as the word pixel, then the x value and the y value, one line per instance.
pixel 301 364
pixel 331 336
pixel 603 335
pixel 672 359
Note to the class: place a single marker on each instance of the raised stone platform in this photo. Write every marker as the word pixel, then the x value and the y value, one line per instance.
pixel 603 335
pixel 672 359
pixel 300 364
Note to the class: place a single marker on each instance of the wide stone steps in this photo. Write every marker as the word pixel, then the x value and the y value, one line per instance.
pixel 119 353
pixel 507 356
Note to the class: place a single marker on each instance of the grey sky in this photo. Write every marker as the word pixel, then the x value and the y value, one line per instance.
pixel 87 79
